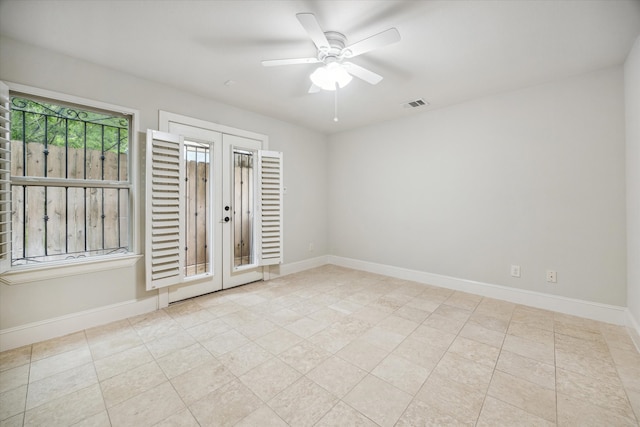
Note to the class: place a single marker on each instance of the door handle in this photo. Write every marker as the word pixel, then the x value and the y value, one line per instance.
pixel 227 219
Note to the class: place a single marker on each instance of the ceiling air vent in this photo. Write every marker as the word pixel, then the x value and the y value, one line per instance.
pixel 415 103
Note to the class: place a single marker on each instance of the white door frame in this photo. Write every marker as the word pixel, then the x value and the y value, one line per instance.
pixel 201 130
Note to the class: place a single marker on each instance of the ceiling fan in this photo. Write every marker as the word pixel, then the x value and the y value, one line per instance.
pixel 334 53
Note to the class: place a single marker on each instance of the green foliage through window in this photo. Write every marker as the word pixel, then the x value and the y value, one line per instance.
pixel 58 125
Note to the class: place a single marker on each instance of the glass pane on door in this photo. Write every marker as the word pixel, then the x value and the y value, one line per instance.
pixel 198 208
pixel 243 189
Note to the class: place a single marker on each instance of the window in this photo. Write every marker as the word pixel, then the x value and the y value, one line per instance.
pixel 71 192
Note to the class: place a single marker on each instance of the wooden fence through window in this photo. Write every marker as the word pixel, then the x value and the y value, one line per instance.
pixel 74 215
pixel 197 217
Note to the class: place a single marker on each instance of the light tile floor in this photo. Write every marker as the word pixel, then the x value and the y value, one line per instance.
pixel 329 347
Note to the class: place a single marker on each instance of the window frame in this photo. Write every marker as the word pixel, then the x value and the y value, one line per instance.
pixel 27 273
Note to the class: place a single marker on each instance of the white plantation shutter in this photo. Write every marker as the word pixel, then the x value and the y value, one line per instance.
pixel 5 179
pixel 164 254
pixel 270 194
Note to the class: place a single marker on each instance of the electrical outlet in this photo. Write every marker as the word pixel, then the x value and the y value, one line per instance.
pixel 552 276
pixel 515 270
pixel 311 247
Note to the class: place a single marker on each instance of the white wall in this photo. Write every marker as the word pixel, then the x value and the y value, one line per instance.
pixel 632 109
pixel 304 160
pixel 533 177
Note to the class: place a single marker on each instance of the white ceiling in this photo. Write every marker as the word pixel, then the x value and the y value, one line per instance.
pixel 451 51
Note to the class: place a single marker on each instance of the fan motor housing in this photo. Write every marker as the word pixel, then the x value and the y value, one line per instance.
pixel 337 42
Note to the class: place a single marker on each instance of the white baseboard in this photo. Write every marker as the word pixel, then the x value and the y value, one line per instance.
pixel 51 328
pixel 296 267
pixel 591 310
pixel 633 325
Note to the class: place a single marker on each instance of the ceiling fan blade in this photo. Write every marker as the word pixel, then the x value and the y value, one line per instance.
pixel 310 24
pixel 277 62
pixel 314 89
pixel 381 39
pixel 362 73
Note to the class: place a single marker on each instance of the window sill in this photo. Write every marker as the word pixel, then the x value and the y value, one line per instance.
pixel 26 274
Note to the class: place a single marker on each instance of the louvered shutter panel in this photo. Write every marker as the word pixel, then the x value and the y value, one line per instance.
pixel 164 204
pixel 5 179
pixel 270 204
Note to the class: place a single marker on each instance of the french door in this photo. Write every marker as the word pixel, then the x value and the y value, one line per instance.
pixel 220 204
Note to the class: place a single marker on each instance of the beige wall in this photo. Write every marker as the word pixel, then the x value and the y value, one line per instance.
pixel 533 177
pixel 304 160
pixel 632 106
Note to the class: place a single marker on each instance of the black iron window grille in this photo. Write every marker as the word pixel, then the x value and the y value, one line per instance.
pixel 70 181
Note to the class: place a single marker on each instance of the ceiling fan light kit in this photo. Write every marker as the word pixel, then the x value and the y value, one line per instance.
pixel 332 50
pixel 330 76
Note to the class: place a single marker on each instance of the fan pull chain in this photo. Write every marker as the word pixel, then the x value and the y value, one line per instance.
pixel 335 104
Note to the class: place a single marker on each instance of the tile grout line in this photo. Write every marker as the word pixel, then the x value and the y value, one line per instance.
pixel 95 370
pixel 495 366
pixel 24 413
pixel 624 387
pixel 413 398
pixel 555 369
